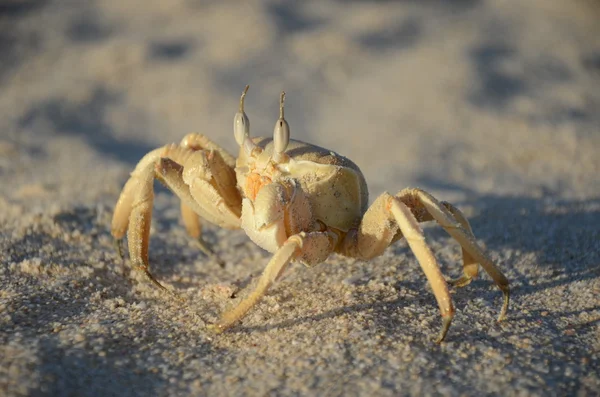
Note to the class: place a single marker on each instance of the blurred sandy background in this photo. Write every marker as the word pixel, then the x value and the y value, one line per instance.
pixel 493 105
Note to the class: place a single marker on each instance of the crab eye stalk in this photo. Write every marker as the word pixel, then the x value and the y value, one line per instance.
pixel 281 134
pixel 241 124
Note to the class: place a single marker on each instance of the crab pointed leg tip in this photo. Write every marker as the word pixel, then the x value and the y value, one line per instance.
pixel 460 282
pixel 118 242
pixel 157 283
pixel 446 321
pixel 503 312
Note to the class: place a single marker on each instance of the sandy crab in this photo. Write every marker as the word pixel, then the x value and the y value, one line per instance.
pixel 296 200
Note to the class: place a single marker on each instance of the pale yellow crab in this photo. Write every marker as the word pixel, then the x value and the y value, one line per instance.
pixel 296 200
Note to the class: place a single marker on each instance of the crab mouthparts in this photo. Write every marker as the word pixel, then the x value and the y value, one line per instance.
pixel 254 182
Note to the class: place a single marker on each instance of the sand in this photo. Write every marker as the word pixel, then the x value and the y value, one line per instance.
pixel 492 105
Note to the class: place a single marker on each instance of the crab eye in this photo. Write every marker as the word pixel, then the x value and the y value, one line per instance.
pixel 241 124
pixel 281 134
pixel 241 127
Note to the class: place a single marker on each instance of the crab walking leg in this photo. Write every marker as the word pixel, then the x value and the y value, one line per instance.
pixel 416 240
pixel 193 226
pixel 124 205
pixel 191 221
pixel 470 265
pixel 377 231
pixel 138 232
pixel 133 214
pixel 121 214
pixel 444 217
pixel 308 247
pixel 137 180
pixel 274 268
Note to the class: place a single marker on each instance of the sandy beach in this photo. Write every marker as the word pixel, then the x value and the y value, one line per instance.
pixel 491 105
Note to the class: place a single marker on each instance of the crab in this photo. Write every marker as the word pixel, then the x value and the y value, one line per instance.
pixel 296 200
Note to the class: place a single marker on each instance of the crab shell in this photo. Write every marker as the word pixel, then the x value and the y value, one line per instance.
pixel 330 185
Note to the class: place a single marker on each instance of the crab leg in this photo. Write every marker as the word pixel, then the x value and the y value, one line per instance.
pixel 133 214
pixel 193 226
pixel 138 232
pixel 191 221
pixel 416 240
pixel 124 205
pixel 141 179
pixel 444 217
pixel 470 265
pixel 274 268
pixel 295 247
pixel 390 218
